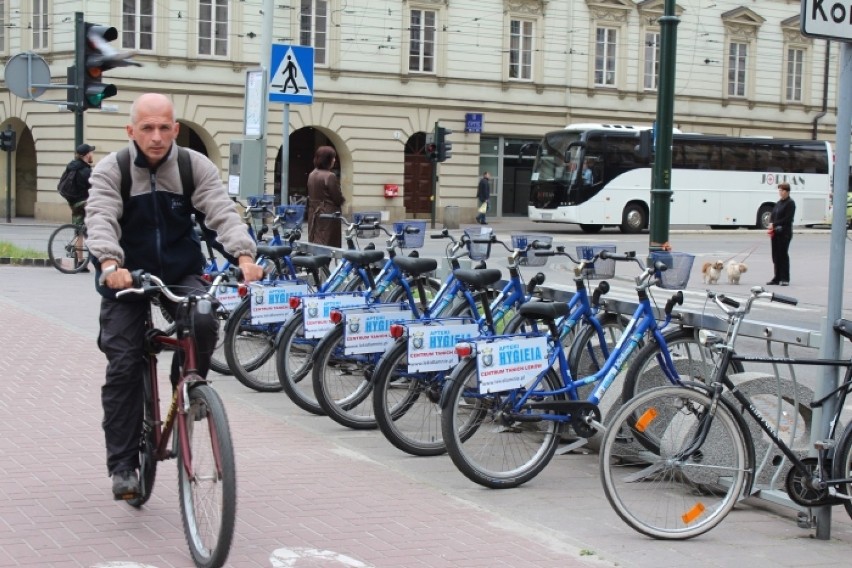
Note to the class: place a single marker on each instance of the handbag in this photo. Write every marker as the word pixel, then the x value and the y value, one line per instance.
pixel 483 207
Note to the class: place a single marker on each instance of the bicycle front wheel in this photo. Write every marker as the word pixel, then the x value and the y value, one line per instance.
pixel 294 361
pixel 488 441
pixel 684 486
pixel 249 349
pixel 66 249
pixel 147 445
pixel 207 481
pixel 843 466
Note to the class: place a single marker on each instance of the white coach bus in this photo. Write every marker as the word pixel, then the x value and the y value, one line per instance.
pixel 720 181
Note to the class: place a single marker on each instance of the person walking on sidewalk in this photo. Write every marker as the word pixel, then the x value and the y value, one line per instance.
pixel 483 193
pixel 324 197
pixel 781 233
pixel 151 228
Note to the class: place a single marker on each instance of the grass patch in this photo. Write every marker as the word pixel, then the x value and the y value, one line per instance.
pixel 8 250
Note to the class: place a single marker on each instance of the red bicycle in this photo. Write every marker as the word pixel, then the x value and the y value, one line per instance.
pixel 195 431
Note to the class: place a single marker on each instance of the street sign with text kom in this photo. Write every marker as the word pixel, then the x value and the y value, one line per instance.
pixel 830 19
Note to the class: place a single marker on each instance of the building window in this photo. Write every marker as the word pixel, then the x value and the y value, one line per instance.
pixel 421 52
pixel 213 27
pixel 652 60
pixel 313 28
pixel 137 20
pixel 41 26
pixel 795 71
pixel 521 49
pixel 605 56
pixel 737 69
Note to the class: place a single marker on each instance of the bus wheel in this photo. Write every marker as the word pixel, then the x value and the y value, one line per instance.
pixel 591 228
pixel 634 219
pixel 764 215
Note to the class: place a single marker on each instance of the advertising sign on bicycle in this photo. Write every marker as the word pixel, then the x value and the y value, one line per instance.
pixel 368 330
pixel 271 302
pixel 228 296
pixel 317 309
pixel 510 363
pixel 432 347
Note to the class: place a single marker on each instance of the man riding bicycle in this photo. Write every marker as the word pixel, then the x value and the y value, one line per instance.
pixel 150 228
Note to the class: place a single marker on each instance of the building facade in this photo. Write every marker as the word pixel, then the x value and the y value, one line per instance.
pixel 499 73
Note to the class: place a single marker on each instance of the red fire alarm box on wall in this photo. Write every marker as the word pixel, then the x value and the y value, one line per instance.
pixel 391 190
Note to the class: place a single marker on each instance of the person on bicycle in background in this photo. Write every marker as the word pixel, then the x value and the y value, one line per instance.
pixel 151 229
pixel 76 192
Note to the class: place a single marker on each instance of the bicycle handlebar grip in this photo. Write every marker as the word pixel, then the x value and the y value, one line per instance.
pixel 329 215
pixel 538 245
pixel 604 255
pixel 676 299
pixel 729 302
pixel 136 276
pixel 602 288
pixel 545 253
pixel 412 230
pixel 442 235
pixel 536 280
pixel 784 299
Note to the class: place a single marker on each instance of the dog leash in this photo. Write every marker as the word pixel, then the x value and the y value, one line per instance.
pixel 749 251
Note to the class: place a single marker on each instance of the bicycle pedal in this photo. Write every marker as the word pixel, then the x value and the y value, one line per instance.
pixel 125 496
pixel 805 521
pixel 824 444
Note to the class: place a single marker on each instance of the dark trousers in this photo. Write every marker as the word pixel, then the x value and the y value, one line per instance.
pixel 780 255
pixel 122 340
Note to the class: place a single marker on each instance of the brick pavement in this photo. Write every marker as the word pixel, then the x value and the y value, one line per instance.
pixel 304 482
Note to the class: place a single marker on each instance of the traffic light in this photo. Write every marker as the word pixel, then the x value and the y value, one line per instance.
pixel 431 149
pixel 99 56
pixel 445 147
pixel 7 140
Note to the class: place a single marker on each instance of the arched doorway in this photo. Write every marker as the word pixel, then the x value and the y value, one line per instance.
pixel 417 178
pixel 303 144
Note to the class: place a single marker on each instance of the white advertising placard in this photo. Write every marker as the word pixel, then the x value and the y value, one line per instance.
pixel 433 347
pixel 510 363
pixel 316 310
pixel 368 331
pixel 228 295
pixel 270 302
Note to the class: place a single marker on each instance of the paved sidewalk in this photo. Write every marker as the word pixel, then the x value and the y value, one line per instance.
pixel 305 485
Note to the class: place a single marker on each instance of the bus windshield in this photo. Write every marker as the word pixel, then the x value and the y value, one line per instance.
pixel 550 164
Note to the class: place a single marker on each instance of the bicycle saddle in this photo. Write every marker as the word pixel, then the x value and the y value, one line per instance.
pixel 415 266
pixel 363 257
pixel 479 278
pixel 276 251
pixel 544 310
pixel 311 262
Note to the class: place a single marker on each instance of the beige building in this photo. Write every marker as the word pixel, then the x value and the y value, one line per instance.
pixel 387 70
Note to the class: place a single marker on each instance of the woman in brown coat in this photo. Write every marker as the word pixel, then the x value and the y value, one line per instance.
pixel 324 196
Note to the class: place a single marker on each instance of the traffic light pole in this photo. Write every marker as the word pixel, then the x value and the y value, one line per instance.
pixel 661 180
pixel 79 71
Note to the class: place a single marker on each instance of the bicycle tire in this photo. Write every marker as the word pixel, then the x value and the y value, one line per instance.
pixel 147 446
pixel 249 348
pixel 208 494
pixel 294 361
pixel 64 252
pixel 659 494
pixel 842 466
pixel 406 405
pixel 693 362
pixel 343 383
pixel 482 445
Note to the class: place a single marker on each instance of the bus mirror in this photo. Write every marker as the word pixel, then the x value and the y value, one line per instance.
pixel 645 148
pixel 525 149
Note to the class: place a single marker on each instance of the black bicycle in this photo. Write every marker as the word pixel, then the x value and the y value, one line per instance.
pixel 675 460
pixel 67 248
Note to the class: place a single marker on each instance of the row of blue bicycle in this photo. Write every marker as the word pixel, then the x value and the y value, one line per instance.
pixel 476 366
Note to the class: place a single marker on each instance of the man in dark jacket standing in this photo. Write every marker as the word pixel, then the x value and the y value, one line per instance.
pixel 781 233
pixel 483 193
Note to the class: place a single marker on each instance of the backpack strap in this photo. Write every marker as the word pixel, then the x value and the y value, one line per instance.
pixel 187 180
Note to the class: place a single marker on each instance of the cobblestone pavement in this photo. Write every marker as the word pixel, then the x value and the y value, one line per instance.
pixel 311 493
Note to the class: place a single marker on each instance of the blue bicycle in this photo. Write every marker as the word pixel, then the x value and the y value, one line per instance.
pixel 505 405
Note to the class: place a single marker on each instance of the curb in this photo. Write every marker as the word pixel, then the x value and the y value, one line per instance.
pixel 42 262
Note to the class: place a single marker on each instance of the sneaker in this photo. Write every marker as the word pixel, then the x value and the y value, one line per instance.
pixel 772 283
pixel 784 283
pixel 125 484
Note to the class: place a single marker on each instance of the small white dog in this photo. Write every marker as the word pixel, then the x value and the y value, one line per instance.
pixel 735 269
pixel 712 271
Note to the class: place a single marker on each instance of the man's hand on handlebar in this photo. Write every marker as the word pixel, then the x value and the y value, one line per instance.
pixel 251 271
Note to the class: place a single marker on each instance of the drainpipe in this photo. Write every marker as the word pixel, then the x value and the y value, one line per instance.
pixel 824 110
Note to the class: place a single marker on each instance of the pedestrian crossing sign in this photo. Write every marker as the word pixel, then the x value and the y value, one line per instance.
pixel 292 77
